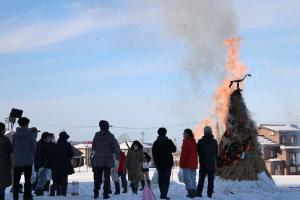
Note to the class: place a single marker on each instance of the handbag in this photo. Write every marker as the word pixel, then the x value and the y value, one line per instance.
pixel 180 176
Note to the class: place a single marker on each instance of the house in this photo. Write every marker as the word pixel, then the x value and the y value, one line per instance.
pixel 280 147
pixel 86 150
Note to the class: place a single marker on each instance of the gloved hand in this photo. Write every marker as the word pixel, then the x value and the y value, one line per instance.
pixel 41 169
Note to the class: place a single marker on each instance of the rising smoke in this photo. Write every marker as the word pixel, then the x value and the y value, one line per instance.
pixel 202 25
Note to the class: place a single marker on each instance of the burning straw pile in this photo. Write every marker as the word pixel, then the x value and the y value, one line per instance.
pixel 239 158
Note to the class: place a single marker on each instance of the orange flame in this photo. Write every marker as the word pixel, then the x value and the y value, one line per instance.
pixel 234 70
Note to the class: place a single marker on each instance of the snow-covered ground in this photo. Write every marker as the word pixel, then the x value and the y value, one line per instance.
pixel 288 188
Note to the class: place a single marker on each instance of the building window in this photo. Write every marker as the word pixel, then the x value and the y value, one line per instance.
pixel 272 133
pixel 293 169
pixel 293 139
pixel 273 154
pixel 293 159
pixel 282 139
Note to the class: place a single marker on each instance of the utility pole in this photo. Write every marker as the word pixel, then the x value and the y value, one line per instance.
pixel 143 135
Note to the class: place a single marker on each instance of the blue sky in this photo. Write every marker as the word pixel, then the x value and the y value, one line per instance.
pixel 69 64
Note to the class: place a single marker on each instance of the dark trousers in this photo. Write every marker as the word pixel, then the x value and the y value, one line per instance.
pixel 98 174
pixel 2 191
pixel 27 170
pixel 164 176
pixel 123 180
pixel 211 179
pixel 60 182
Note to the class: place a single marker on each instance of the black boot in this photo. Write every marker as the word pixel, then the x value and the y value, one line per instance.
pixel 125 187
pixel 190 194
pixel 39 192
pixel 96 194
pixel 143 185
pixel 134 188
pixel 52 190
pixel 117 188
pixel 106 196
pixel 47 186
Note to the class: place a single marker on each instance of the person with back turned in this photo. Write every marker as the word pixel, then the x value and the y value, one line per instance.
pixel 106 149
pixel 23 157
pixel 208 152
pixel 162 151
pixel 62 164
pixel 5 162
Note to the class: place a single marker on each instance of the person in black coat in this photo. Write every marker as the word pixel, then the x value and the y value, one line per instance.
pixel 63 154
pixel 43 163
pixel 162 151
pixel 208 154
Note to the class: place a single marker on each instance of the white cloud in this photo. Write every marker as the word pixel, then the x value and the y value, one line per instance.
pixel 44 32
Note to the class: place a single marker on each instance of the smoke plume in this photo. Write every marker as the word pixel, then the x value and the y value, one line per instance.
pixel 202 25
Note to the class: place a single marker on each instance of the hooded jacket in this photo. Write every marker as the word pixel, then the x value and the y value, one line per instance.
pixel 24 144
pixel 162 151
pixel 189 157
pixel 208 153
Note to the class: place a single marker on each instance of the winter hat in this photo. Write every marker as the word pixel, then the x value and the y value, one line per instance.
pixel 104 125
pixel 45 135
pixel 162 131
pixel 64 135
pixel 207 130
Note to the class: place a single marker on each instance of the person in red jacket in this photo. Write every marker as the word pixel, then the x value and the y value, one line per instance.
pixel 189 162
pixel 122 171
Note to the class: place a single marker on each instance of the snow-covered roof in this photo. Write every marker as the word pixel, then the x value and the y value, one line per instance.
pixel 266 142
pixel 124 146
pixel 289 147
pixel 83 146
pixel 280 127
pixel 275 160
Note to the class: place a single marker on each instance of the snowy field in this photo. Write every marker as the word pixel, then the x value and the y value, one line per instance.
pixel 288 188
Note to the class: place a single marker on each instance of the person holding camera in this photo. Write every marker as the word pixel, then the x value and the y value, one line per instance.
pixel 23 142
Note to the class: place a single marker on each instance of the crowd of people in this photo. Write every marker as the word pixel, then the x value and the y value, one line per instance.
pixel 20 153
pixel 40 161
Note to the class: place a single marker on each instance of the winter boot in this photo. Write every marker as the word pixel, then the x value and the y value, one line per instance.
pixel 106 196
pixel 52 190
pixel 47 186
pixel 143 185
pixel 190 194
pixel 198 194
pixel 39 192
pixel 117 188
pixel 209 196
pixel 134 188
pixel 125 187
pixel 96 194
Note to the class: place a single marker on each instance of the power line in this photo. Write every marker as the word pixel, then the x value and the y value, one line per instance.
pixel 126 127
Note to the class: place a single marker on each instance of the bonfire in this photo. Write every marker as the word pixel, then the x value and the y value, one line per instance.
pixel 239 158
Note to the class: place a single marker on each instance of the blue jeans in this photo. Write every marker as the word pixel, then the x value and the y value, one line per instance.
pixel 2 191
pixel 189 177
